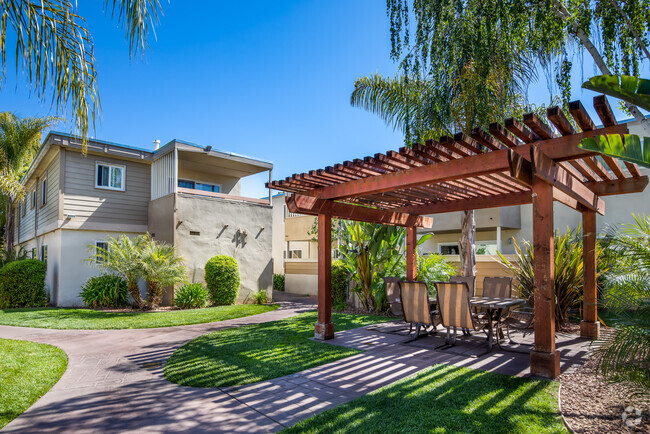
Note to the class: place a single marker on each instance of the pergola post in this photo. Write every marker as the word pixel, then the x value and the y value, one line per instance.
pixel 411 257
pixel 589 327
pixel 544 359
pixel 324 329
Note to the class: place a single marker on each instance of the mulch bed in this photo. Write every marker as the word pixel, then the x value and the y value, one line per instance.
pixel 591 404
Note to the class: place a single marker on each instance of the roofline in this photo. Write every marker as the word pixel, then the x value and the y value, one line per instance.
pixel 232 154
pixel 103 142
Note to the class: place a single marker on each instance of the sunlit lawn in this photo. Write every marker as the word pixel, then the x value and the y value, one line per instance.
pixel 258 352
pixel 55 318
pixel 446 398
pixel 27 371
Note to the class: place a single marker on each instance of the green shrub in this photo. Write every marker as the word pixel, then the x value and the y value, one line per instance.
pixel 17 254
pixel 106 290
pixel 222 278
pixel 340 279
pixel 22 284
pixel 191 296
pixel 261 297
pixel 278 282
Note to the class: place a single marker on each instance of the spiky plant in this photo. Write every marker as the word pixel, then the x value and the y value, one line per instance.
pixel 569 271
pixel 161 267
pixel 625 354
pixel 123 257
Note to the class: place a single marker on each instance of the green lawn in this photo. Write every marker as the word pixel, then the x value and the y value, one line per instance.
pixel 253 353
pixel 446 398
pixel 53 318
pixel 27 371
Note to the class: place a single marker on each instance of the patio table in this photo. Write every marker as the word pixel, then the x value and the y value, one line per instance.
pixel 494 308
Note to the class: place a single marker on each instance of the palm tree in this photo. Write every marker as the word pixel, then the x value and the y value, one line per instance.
pixel 625 354
pixel 425 110
pixel 20 139
pixel 161 267
pixel 124 257
pixel 55 48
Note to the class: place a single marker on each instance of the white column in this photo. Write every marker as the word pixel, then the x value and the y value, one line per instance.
pixel 175 175
pixel 499 239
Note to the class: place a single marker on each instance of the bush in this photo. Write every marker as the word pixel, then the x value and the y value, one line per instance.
pixel 278 282
pixel 191 296
pixel 222 278
pixel 340 279
pixel 261 297
pixel 22 284
pixel 107 290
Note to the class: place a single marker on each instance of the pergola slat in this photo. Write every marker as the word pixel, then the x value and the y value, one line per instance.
pixel 601 104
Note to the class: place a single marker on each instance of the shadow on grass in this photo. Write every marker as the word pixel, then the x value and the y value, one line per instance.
pixel 258 352
pixel 447 398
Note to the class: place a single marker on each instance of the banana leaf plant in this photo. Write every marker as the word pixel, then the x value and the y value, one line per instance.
pixel 631 147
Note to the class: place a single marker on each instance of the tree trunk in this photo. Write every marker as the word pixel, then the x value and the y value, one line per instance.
pixel 563 13
pixel 467 244
pixel 154 294
pixel 134 290
pixel 9 226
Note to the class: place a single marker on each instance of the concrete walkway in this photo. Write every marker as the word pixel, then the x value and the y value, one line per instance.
pixel 114 379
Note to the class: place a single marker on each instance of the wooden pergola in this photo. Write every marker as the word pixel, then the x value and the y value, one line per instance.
pixel 514 163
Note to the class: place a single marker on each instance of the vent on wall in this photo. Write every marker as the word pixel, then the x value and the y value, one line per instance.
pixel 195 233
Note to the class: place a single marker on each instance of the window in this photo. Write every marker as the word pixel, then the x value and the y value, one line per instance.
pixel 208 187
pixel 33 253
pixel 44 254
pixel 101 248
pixel 34 197
pixel 295 254
pixel 110 176
pixel 486 248
pixel 43 191
pixel 448 248
pixel 185 183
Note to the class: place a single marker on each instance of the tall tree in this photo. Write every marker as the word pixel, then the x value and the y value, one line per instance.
pixel 54 48
pixel 19 142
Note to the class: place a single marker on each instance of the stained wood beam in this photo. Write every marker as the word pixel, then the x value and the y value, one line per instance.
pixel 311 206
pixel 538 126
pixel 541 166
pixel 560 121
pixel 618 186
pixel 559 149
pixel 484 202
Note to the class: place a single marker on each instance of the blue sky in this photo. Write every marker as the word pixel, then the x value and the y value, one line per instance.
pixel 267 79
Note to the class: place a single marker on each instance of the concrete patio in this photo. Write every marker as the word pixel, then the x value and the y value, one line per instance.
pixel 114 380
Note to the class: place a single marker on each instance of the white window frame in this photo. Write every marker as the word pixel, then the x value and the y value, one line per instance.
pixel 295 250
pixel 447 244
pixel 112 166
pixel 44 253
pixel 43 184
pixel 490 242
pixel 97 242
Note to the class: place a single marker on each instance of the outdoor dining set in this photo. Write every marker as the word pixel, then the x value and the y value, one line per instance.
pixel 456 308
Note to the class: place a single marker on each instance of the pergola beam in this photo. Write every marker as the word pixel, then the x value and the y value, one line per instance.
pixel 558 149
pixel 542 167
pixel 310 205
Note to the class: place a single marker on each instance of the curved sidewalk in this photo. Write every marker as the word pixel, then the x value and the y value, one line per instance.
pixel 114 383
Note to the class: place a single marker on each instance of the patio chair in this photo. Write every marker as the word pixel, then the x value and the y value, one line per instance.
pixel 471 284
pixel 415 303
pixel 469 280
pixel 391 285
pixel 455 309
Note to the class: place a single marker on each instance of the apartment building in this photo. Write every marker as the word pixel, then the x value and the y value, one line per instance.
pixel 181 193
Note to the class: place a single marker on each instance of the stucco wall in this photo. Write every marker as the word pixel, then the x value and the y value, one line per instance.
pixel 206 227
pixel 301 284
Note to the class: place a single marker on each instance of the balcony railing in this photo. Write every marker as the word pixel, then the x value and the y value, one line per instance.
pixel 223 196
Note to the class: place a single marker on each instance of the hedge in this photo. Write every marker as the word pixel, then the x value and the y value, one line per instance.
pixel 22 284
pixel 222 279
pixel 340 279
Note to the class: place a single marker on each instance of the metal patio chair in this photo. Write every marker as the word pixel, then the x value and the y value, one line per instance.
pixel 417 308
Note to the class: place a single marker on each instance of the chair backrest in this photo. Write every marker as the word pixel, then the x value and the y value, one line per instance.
pixel 497 287
pixel 470 280
pixel 453 304
pixel 415 302
pixel 391 284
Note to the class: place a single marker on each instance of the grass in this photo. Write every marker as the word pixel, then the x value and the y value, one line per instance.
pixel 27 371
pixel 259 352
pixel 88 319
pixel 446 398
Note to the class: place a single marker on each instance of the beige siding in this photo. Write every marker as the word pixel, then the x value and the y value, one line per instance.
pixel 26 222
pixel 49 213
pixel 88 203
